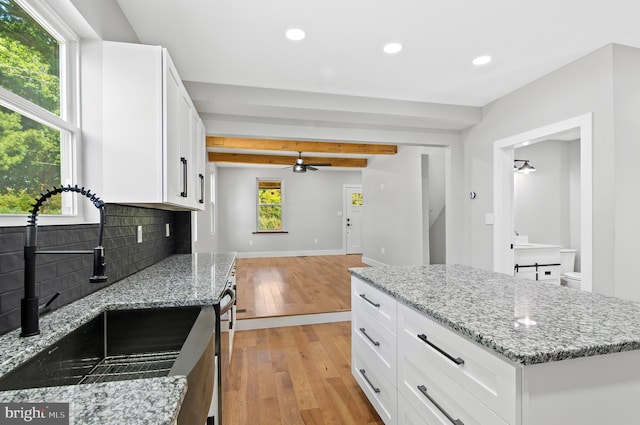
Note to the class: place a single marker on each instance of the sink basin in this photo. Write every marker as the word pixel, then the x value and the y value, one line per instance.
pixel 116 345
pixel 131 344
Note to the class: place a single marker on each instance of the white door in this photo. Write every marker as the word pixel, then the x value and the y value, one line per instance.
pixel 353 216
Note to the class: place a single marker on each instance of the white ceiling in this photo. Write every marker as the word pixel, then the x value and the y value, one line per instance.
pixel 241 42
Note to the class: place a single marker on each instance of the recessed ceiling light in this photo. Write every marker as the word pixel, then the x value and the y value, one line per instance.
pixel 295 34
pixel 392 48
pixel 482 60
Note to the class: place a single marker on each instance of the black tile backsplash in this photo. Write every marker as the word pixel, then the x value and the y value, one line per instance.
pixel 69 274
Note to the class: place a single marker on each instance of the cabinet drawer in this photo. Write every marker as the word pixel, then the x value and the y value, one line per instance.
pixel 407 415
pixel 436 398
pixel 381 306
pixel 381 392
pixel 549 273
pixel 380 342
pixel 441 352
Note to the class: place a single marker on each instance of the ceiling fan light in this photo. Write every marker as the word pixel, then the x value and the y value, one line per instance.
pixel 298 168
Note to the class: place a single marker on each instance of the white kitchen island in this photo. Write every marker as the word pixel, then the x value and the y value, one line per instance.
pixel 458 345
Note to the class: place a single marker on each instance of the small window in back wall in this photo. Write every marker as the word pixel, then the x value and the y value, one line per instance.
pixel 269 208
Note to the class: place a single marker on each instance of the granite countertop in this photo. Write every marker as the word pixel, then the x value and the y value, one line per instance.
pixel 535 246
pixel 179 280
pixel 486 307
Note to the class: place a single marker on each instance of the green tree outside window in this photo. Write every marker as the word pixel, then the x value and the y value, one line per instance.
pixel 29 151
pixel 269 205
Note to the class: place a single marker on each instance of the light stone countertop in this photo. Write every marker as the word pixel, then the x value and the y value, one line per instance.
pixel 179 280
pixel 485 307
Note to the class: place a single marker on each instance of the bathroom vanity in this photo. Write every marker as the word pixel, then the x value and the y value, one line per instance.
pixel 536 261
pixel 450 344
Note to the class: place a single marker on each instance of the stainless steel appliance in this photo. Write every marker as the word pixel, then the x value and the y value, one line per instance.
pixel 225 328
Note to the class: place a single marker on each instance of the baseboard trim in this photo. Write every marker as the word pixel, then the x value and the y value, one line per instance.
pixel 373 263
pixel 304 253
pixel 299 320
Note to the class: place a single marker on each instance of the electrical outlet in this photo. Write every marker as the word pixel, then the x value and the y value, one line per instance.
pixel 382 250
pixel 315 240
pixel 139 234
pixel 167 230
pixel 250 241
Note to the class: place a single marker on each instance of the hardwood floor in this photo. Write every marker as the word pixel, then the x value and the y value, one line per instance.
pixel 294 376
pixel 285 286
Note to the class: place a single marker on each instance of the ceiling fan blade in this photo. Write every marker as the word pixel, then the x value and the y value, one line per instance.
pixel 312 168
pixel 320 165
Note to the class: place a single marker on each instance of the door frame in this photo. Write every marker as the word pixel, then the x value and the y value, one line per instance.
pixel 344 212
pixel 503 193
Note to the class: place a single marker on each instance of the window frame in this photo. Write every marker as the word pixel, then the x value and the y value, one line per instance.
pixel 67 123
pixel 258 205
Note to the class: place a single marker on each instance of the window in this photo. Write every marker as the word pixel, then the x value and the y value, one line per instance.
pixel 38 126
pixel 269 205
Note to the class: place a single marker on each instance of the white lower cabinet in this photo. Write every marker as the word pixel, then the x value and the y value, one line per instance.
pixel 415 371
pixel 380 391
pixel 374 347
pixel 424 373
pixel 437 352
pixel 407 415
pixel 435 397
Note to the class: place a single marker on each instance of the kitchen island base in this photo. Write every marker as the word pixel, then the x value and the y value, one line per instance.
pixel 439 376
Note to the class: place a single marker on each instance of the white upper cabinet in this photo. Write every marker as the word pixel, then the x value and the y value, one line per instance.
pixel 153 139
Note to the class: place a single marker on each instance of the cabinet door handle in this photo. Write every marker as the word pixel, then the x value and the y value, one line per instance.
pixel 201 188
pixel 456 360
pixel 185 176
pixel 364 297
pixel 373 387
pixel 374 342
pixel 423 390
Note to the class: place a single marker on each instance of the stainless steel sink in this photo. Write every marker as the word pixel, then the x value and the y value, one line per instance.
pixel 131 344
pixel 116 345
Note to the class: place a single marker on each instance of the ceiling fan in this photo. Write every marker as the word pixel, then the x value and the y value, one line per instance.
pixel 301 167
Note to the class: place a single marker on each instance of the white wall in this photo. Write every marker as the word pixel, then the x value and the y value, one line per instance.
pixel 392 216
pixel 626 88
pixel 543 200
pixel 436 193
pixel 583 86
pixel 311 201
pixel 573 164
pixel 106 18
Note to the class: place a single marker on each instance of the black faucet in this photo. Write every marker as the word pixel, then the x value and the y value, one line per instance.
pixel 30 310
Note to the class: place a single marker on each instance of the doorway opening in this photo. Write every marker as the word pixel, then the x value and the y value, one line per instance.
pixel 503 182
pixel 352 226
pixel 434 166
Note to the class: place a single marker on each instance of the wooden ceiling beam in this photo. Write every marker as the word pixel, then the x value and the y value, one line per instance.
pixel 300 146
pixel 242 158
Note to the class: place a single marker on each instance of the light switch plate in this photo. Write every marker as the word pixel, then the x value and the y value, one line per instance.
pixel 488 218
pixel 167 230
pixel 139 234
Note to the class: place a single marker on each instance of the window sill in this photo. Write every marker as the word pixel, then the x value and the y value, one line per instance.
pixel 20 220
pixel 267 232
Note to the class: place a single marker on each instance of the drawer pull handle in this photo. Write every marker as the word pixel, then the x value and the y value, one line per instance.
pixel 364 297
pixel 373 387
pixel 423 390
pixel 456 360
pixel 364 332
